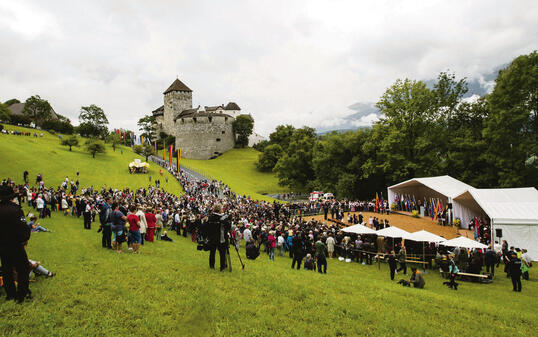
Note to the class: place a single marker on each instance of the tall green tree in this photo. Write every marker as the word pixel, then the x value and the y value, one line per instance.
pixel 37 108
pixel 294 168
pixel 94 119
pixel 511 129
pixel 269 157
pixel 5 114
pixel 282 136
pixel 242 126
pixel 146 124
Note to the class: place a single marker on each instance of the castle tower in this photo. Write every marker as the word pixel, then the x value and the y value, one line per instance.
pixel 177 98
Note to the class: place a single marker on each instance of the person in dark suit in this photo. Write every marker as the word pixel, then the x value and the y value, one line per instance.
pixel 217 233
pixel 14 234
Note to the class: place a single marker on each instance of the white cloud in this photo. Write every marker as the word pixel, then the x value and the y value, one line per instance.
pixel 300 62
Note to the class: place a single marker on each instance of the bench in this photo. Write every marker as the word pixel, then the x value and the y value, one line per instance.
pixel 465 276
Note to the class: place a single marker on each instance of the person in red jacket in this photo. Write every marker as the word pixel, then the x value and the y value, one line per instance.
pixel 271 244
pixel 150 220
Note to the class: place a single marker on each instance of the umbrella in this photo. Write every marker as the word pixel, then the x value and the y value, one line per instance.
pixel 393 232
pixel 424 236
pixel 359 229
pixel 464 242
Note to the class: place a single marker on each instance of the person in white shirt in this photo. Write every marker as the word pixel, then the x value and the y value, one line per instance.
pixel 330 245
pixel 280 244
pixel 526 263
pixel 40 205
pixel 247 234
pixel 143 224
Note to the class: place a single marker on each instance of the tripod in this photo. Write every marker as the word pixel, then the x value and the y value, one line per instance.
pixel 229 260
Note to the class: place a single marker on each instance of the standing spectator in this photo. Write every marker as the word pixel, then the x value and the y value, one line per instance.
pixel 491 259
pixel 330 245
pixel 14 234
pixel 453 272
pixel 526 264
pixel 134 229
pixel 280 244
pixel 515 271
pixel 143 224
pixel 402 256
pixel 158 223
pixel 40 205
pixel 150 220
pixel 392 265
pixel 298 247
pixel 271 243
pixel 118 227
pixel 105 211
pixel 320 256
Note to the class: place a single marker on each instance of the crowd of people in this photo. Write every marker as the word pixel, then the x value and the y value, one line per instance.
pixel 147 214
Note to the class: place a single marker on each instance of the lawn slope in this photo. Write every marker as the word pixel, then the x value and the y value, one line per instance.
pixel 169 290
pixel 237 168
pixel 45 155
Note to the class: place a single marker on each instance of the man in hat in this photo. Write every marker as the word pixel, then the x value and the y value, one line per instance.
pixel 14 233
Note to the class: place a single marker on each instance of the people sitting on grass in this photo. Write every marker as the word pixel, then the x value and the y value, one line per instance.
pixel 35 226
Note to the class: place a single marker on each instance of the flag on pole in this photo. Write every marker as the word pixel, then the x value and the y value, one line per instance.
pixel 170 156
pixel 141 140
pixel 164 151
pixel 178 159
pixel 376 202
pixel 155 147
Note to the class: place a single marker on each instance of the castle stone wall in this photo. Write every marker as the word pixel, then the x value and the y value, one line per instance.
pixel 174 103
pixel 199 138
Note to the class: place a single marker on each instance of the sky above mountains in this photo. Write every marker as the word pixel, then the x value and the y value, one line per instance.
pixel 296 62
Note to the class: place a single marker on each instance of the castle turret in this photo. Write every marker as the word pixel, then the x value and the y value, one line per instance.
pixel 177 98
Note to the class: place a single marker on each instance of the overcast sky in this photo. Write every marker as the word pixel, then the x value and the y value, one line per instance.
pixel 298 62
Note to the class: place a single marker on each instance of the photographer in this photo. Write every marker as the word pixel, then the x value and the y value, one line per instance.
pixel 217 230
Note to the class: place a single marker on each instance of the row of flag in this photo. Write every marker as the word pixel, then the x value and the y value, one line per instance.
pixel 135 140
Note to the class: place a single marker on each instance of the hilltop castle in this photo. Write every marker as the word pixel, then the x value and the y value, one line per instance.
pixel 200 133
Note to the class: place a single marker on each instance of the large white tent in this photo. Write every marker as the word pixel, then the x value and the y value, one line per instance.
pixel 464 242
pixel 514 211
pixel 393 232
pixel 425 236
pixel 443 188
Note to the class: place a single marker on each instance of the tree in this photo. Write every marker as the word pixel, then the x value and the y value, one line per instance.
pixel 37 108
pixel 294 168
pixel 242 126
pixel 5 114
pixel 70 141
pixel 11 101
pixel 146 124
pixel 147 150
pixel 282 136
pixel 94 146
pixel 511 129
pixel 95 117
pixel 114 139
pixel 269 157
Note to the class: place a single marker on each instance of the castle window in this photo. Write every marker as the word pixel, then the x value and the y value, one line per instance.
pixel 223 132
pixel 218 139
pixel 225 119
pixel 194 119
pixel 210 119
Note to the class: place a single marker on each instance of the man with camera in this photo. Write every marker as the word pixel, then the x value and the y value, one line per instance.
pixel 14 234
pixel 217 234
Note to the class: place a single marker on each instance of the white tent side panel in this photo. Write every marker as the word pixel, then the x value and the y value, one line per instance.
pixel 521 236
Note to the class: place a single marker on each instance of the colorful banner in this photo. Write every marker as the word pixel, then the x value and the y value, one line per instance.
pixel 170 156
pixel 178 159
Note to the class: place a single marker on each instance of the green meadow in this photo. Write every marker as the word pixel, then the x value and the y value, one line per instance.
pixel 168 289
pixel 237 168
pixel 45 155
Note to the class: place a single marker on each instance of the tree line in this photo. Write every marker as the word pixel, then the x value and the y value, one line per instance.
pixel 423 131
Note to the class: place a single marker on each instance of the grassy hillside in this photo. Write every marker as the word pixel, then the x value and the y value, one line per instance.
pixel 169 290
pixel 45 155
pixel 237 168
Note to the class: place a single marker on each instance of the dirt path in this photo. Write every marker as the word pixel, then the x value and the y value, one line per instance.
pixel 411 224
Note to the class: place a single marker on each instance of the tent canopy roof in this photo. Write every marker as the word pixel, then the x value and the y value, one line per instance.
pixel 505 205
pixel 464 242
pixel 359 229
pixel 445 185
pixel 425 236
pixel 393 232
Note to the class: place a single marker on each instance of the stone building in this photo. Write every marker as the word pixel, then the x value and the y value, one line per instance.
pixel 200 133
